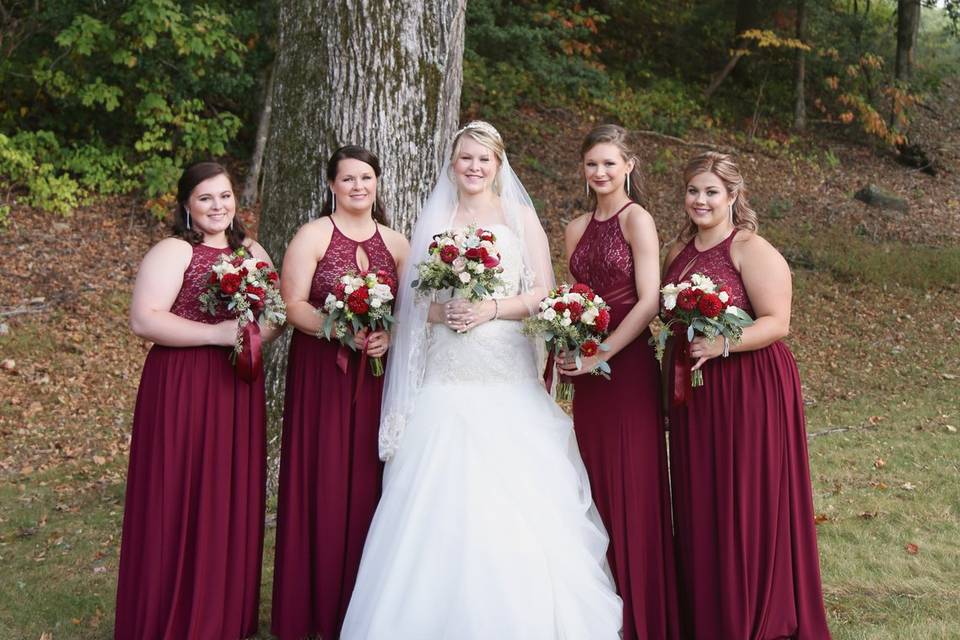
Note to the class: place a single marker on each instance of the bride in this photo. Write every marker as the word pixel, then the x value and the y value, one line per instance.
pixel 485 528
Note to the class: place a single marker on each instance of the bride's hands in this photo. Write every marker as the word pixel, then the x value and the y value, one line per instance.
pixel 462 315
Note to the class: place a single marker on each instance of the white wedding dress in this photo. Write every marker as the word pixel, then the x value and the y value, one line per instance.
pixel 486 529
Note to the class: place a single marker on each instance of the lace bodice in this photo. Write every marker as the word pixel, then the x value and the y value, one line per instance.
pixel 195 278
pixel 714 263
pixel 603 259
pixel 341 258
pixel 493 352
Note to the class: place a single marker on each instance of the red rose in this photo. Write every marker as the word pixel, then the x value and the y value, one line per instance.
pixel 433 245
pixel 339 290
pixel 575 309
pixel 255 291
pixel 243 273
pixel 213 278
pixel 483 234
pixel 589 348
pixel 273 276
pixel 710 305
pixel 473 253
pixel 687 299
pixel 583 290
pixel 230 283
pixel 603 320
pixel 491 261
pixel 449 253
pixel 560 307
pixel 357 301
pixel 257 305
pixel 262 265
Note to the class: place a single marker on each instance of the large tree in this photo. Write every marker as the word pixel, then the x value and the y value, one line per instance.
pixel 384 74
pixel 908 26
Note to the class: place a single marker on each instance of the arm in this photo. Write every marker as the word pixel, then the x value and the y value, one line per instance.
pixel 158 283
pixel 268 332
pixel 766 277
pixel 299 263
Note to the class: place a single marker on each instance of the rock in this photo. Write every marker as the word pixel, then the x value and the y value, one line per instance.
pixel 913 155
pixel 4 328
pixel 873 196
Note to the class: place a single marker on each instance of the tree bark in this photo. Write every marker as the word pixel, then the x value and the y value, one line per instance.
pixel 384 74
pixel 251 187
pixel 908 26
pixel 800 70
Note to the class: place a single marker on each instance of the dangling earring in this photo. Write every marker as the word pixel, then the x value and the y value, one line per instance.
pixel 188 217
pixel 628 184
pixel 333 200
pixel 231 224
pixel 587 185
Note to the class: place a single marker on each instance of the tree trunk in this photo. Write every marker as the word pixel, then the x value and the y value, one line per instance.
pixel 800 107
pixel 384 74
pixel 908 26
pixel 251 187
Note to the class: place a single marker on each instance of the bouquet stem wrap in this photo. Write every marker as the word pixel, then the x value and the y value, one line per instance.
pixel 249 363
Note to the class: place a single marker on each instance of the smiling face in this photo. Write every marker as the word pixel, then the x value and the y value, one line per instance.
pixel 212 205
pixel 707 201
pixel 475 166
pixel 355 185
pixel 605 168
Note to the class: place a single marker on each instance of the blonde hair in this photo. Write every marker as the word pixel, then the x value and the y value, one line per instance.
pixel 722 166
pixel 618 137
pixel 486 134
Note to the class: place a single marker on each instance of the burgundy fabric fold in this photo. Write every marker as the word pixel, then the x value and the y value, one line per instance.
pixel 249 363
pixel 680 370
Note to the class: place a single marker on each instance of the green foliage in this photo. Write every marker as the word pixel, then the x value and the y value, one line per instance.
pixel 104 98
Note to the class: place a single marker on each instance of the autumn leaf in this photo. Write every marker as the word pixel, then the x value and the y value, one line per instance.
pixel 912 548
pixel 879 463
pixel 820 518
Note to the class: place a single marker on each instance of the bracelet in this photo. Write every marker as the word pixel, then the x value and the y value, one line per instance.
pixel 496 309
pixel 726 347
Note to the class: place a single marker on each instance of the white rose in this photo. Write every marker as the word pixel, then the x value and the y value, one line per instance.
pixel 566 320
pixel 459 264
pixel 724 297
pixel 331 300
pixel 669 301
pixel 597 300
pixel 703 282
pixel 465 277
pixel 682 286
pixel 549 314
pixel 348 289
pixel 590 315
pixel 544 305
pixel 566 313
pixel 382 291
pixel 375 303
pixel 575 297
pixel 250 264
pixel 339 304
pixel 489 246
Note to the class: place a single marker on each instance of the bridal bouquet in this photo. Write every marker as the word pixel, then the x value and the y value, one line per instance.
pixel 465 260
pixel 697 306
pixel 571 319
pixel 363 300
pixel 248 288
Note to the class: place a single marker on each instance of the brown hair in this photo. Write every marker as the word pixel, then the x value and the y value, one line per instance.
pixel 722 166
pixel 618 137
pixel 192 176
pixel 353 152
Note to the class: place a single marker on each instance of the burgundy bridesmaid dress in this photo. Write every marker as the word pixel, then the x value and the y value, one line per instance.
pixel 330 471
pixel 746 543
pixel 620 432
pixel 193 519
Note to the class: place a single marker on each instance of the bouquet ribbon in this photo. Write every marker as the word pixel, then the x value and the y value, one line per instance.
pixel 249 363
pixel 548 372
pixel 680 370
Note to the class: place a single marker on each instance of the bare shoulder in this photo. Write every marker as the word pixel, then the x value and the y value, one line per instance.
pixel 578 225
pixel 173 249
pixel 636 217
pixel 748 247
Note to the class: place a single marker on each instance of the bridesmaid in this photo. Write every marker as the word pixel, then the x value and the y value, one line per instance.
pixel 329 467
pixel 746 542
pixel 193 519
pixel 616 252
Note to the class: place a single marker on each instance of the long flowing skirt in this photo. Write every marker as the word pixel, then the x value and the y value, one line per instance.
pixel 485 529
pixel 329 486
pixel 620 430
pixel 746 540
pixel 193 518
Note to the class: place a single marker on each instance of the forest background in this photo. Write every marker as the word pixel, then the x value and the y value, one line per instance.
pixel 844 115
